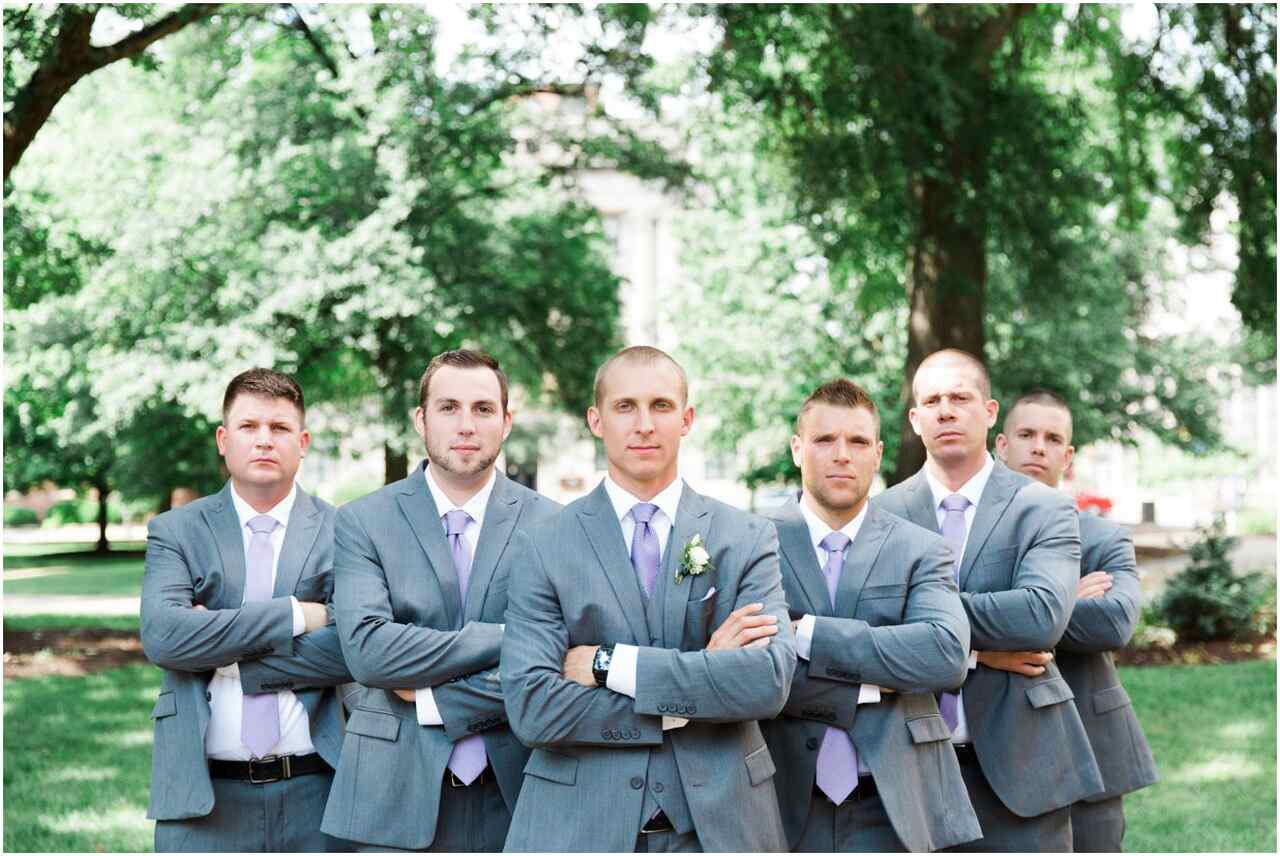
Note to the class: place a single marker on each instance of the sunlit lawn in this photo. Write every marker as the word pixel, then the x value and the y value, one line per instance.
pixel 77 759
pixel 71 571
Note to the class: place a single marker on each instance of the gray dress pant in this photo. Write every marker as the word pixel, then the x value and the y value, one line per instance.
pixel 1005 832
pixel 276 817
pixel 1098 827
pixel 474 819
pixel 858 825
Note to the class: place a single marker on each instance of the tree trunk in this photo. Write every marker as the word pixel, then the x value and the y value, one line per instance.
pixel 104 491
pixel 395 464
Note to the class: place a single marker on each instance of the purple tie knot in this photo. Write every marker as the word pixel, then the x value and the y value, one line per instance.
pixel 456 521
pixel 956 502
pixel 835 542
pixel 642 512
pixel 263 524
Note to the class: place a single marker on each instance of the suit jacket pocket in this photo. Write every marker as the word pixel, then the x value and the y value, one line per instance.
pixel 760 766
pixel 552 766
pixel 1048 693
pixel 166 705
pixel 374 723
pixel 928 729
pixel 1110 699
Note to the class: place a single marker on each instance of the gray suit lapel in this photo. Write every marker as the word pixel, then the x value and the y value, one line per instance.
pixel 797 546
pixel 859 559
pixel 920 507
pixel 996 496
pixel 605 534
pixel 500 516
pixel 692 518
pixel 419 509
pixel 225 525
pixel 299 537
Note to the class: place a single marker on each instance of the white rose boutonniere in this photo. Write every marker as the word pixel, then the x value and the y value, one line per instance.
pixel 694 560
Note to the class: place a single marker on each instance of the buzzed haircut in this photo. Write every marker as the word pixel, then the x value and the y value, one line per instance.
pixel 1040 395
pixel 264 383
pixel 462 358
pixel 955 355
pixel 645 355
pixel 840 392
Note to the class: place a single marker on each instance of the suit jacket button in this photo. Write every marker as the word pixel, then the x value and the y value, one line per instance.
pixel 811 743
pixel 657 787
pixel 636 783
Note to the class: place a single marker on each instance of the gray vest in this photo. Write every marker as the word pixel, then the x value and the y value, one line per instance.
pixel 663 787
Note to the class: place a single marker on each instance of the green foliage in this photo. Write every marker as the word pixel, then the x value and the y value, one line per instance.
pixel 85 510
pixel 16 515
pixel 1209 600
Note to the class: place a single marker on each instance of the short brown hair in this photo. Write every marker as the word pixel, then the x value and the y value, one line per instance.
pixel 1040 395
pixel 840 392
pixel 638 354
pixel 265 383
pixel 955 355
pixel 462 358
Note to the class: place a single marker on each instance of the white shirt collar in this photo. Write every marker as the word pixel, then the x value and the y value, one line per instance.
pixel 474 506
pixel 280 511
pixel 668 500
pixel 818 528
pixel 970 490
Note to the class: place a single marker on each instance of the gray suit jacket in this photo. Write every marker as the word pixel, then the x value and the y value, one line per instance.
pixel 195 555
pixel 1018 579
pixel 1099 626
pixel 575 585
pixel 905 630
pixel 403 625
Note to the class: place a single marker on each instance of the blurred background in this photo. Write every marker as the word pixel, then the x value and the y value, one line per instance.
pixel 777 195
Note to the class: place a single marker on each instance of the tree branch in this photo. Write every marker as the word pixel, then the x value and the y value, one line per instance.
pixel 300 24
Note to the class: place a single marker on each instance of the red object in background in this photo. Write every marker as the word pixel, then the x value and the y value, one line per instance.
pixel 1093 503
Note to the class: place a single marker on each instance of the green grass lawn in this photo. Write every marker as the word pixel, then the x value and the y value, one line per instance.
pixel 78 752
pixel 81 573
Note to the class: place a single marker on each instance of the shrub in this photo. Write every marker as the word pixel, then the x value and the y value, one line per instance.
pixel 1151 631
pixel 63 513
pixel 16 515
pixel 1208 600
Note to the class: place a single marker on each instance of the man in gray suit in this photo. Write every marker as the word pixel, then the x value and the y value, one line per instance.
pixel 429 762
pixel 1037 441
pixel 1022 748
pixel 247 727
pixel 882 624
pixel 641 717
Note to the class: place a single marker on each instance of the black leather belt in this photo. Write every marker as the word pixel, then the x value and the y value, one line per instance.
pixel 272 768
pixel 965 753
pixel 865 790
pixel 658 823
pixel 454 782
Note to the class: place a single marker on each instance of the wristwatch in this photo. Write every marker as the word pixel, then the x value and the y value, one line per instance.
pixel 600 664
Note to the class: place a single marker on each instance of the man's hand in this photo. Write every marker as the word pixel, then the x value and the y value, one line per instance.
pixel 1095 584
pixel 314 615
pixel 1029 663
pixel 744 628
pixel 577 665
pixel 408 695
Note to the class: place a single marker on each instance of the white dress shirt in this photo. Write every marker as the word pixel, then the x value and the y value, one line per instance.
pixel 972 491
pixel 424 698
pixel 226 698
pixel 622 668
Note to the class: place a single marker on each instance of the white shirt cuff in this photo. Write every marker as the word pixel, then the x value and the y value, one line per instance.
pixel 670 722
pixel 804 636
pixel 232 671
pixel 868 694
pixel 299 620
pixel 428 713
pixel 622 670
pixel 973 659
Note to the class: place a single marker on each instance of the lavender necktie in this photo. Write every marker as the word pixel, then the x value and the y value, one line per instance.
pixel 837 759
pixel 468 758
pixel 645 553
pixel 953 532
pixel 259 712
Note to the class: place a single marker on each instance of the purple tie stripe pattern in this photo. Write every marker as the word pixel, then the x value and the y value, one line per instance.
pixel 645 553
pixel 468 758
pixel 837 775
pixel 953 532
pixel 260 712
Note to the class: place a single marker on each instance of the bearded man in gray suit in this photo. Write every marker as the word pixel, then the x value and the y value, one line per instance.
pixel 1022 748
pixel 429 762
pixel 247 725
pixel 1037 441
pixel 646 633
pixel 883 626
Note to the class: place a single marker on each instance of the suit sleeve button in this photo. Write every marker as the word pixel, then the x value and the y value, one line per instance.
pixel 662 708
pixel 693 708
pixel 605 734
pixel 811 743
pixel 636 783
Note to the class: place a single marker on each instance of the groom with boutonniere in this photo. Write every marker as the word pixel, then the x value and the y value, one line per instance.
pixel 646 632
